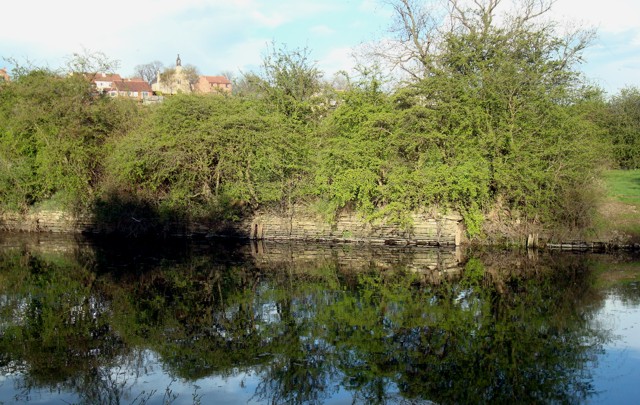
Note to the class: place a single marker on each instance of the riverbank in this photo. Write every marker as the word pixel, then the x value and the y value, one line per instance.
pixel 613 229
pixel 429 229
pixel 614 224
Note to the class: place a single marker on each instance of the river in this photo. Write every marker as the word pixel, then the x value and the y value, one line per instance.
pixel 99 321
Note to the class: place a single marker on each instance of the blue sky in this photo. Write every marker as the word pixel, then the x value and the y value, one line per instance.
pixel 232 35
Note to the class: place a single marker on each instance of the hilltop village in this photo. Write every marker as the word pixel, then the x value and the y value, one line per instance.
pixel 174 80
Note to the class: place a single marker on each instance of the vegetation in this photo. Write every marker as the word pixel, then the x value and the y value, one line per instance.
pixel 171 79
pixel 148 71
pixel 488 113
pixel 622 120
pixel 196 153
pixel 53 139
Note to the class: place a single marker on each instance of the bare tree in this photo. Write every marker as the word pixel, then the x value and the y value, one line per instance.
pixel 90 62
pixel 191 75
pixel 148 71
pixel 479 15
pixel 231 76
pixel 414 34
pixel 420 28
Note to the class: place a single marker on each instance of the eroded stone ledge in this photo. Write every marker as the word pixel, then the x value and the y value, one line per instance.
pixel 427 229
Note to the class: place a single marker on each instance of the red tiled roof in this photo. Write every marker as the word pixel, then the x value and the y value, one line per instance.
pixel 216 79
pixel 132 86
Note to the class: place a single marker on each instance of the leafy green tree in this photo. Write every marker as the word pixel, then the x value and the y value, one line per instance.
pixel 289 80
pixel 623 125
pixel 200 152
pixel 52 136
pixel 487 117
pixel 352 158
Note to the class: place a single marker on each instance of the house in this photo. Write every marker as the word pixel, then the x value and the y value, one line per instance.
pixel 213 84
pixel 132 88
pixel 104 81
pixel 4 76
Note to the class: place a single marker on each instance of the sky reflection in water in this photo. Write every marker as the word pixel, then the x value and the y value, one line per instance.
pixel 617 373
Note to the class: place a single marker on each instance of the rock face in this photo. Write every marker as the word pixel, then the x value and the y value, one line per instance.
pixel 46 221
pixel 427 229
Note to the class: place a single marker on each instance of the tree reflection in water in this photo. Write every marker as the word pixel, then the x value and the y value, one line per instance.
pixel 500 328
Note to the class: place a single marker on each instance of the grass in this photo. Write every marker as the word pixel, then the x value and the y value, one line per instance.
pixel 623 186
pixel 619 213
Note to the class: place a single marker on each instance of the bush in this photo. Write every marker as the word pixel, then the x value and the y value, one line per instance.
pixel 52 140
pixel 199 151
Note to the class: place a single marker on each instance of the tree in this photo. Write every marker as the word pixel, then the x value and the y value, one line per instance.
pixel 419 31
pixel 88 61
pixel 486 118
pixel 52 136
pixel 148 71
pixel 623 124
pixel 415 32
pixel 192 75
pixel 229 75
pixel 249 84
pixel 204 152
pixel 288 78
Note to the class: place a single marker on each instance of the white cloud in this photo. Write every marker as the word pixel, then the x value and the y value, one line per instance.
pixel 321 30
pixel 246 55
pixel 336 59
pixel 613 16
pixel 370 6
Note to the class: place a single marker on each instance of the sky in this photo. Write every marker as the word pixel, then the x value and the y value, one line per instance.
pixel 233 35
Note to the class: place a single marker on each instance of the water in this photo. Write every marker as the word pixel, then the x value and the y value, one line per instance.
pixel 86 321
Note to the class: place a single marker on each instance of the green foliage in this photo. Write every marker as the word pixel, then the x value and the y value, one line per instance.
pixel 195 152
pixel 495 113
pixel 52 138
pixel 377 331
pixel 501 116
pixel 289 81
pixel 474 273
pixel 351 159
pixel 622 122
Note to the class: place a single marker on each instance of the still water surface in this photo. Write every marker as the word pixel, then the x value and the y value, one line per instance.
pixel 184 322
